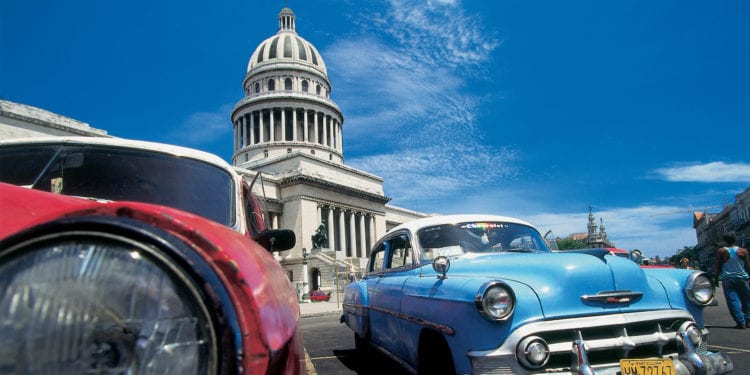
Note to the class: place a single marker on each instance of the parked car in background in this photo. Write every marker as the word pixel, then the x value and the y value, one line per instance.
pixel 319 295
pixel 483 294
pixel 120 256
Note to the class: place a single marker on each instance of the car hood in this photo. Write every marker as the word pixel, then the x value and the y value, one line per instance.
pixel 571 283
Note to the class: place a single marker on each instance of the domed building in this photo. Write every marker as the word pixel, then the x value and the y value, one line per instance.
pixel 289 129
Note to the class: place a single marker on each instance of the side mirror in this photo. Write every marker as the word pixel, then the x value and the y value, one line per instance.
pixel 277 239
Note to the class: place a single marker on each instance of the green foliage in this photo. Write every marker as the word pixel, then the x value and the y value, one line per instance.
pixel 570 244
pixel 689 252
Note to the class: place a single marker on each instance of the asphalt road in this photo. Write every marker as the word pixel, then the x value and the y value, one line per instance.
pixel 330 345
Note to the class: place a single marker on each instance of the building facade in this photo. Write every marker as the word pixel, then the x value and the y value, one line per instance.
pixel 710 227
pixel 21 121
pixel 288 128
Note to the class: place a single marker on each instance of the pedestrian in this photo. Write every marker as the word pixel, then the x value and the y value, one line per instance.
pixel 685 263
pixel 732 264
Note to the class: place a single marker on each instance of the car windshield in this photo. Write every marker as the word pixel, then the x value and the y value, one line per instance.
pixel 479 237
pixel 121 174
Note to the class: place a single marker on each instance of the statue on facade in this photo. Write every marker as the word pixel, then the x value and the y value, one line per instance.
pixel 319 239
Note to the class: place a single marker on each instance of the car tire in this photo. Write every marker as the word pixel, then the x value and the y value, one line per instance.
pixel 434 356
pixel 361 346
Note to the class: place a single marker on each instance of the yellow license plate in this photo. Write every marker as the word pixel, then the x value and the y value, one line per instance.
pixel 657 366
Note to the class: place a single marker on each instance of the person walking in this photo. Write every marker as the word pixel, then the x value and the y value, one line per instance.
pixel 732 265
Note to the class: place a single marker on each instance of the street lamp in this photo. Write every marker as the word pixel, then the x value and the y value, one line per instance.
pixel 305 277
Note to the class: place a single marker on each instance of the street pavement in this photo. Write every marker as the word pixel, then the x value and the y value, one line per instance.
pixel 311 309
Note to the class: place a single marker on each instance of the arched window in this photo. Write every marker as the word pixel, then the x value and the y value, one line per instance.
pixel 265 153
pixel 288 84
pixel 289 151
pixel 271 85
pixel 317 89
pixel 257 87
pixel 304 85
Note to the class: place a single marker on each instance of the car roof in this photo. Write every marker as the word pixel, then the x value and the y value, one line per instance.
pixel 122 143
pixel 417 224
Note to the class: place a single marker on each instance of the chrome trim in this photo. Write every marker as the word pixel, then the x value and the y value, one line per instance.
pixel 622 297
pixel 356 309
pixel 619 339
pixel 479 299
pixel 690 286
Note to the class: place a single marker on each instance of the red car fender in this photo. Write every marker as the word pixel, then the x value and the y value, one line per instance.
pixel 268 312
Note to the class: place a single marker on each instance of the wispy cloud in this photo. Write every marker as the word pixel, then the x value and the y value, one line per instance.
pixel 202 128
pixel 417 126
pixel 708 172
pixel 657 230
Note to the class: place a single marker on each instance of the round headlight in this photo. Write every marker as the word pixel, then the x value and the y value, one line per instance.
pixel 533 352
pixel 496 302
pixel 98 303
pixel 700 290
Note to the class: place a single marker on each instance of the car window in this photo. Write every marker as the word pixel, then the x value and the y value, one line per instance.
pixel 456 239
pixel 377 258
pixel 393 252
pixel 122 174
pixel 401 253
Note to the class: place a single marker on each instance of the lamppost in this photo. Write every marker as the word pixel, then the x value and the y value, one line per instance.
pixel 305 277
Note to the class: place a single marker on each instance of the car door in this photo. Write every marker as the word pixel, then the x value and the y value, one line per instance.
pixel 386 323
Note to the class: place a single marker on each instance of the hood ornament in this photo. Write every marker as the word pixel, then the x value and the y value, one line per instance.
pixel 620 297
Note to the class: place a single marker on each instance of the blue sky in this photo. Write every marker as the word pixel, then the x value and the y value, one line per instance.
pixel 534 109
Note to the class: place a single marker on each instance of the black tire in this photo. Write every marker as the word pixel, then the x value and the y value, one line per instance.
pixel 362 346
pixel 434 356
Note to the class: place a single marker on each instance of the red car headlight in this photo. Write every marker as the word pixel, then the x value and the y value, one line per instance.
pixel 91 301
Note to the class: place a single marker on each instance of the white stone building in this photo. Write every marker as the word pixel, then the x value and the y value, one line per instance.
pixel 288 128
pixel 21 121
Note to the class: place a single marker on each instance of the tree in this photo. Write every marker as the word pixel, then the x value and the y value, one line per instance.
pixel 689 252
pixel 570 244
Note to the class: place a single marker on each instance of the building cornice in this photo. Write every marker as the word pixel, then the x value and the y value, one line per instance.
pixel 318 182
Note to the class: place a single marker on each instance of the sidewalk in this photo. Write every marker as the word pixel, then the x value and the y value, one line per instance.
pixel 311 309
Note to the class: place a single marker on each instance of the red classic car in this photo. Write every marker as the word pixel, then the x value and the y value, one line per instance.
pixel 120 256
pixel 319 295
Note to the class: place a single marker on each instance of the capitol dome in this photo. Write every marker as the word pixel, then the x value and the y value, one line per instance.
pixel 286 47
pixel 287 108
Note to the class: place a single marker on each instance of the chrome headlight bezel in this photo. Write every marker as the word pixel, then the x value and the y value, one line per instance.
pixel 700 289
pixel 533 352
pixel 495 301
pixel 193 276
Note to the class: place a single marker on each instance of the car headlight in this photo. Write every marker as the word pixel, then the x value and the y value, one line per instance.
pixel 533 352
pixel 495 301
pixel 93 302
pixel 699 289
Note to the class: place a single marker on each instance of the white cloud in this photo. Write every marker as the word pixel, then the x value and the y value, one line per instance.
pixel 708 172
pixel 657 230
pixel 411 67
pixel 202 128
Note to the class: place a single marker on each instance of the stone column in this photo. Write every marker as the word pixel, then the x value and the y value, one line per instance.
pixel 329 228
pixel 372 233
pixel 352 235
pixel 272 127
pixel 305 130
pixel 325 130
pixel 283 124
pixel 342 231
pixel 294 125
pixel 362 241
pixel 315 128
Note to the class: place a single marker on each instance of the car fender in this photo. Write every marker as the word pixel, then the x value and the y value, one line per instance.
pixel 355 313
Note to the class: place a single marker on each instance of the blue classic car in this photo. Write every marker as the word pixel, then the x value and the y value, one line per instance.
pixel 483 294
